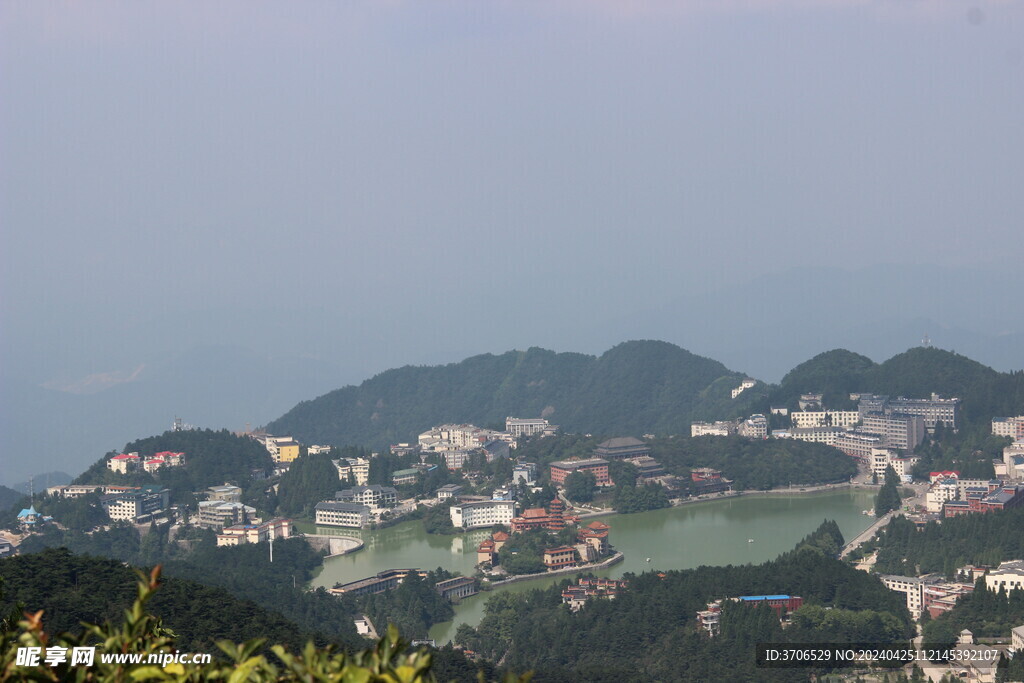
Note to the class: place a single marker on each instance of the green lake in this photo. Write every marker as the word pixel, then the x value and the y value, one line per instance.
pixel 714 532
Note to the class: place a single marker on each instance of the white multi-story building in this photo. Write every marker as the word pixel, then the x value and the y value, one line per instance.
pixel 912 587
pixel 824 418
pixel 134 503
pixel 825 435
pixel 317 450
pixel 484 513
pixel 899 430
pixel 1009 576
pixel 881 458
pixel 517 426
pixel 455 459
pixel 217 514
pixel 942 491
pixel 524 473
pixel 357 468
pixel 754 427
pixel 76 490
pixel 375 496
pixel 1012 427
pixel 933 410
pixel 124 463
pixel 463 436
pixel 335 513
pixel 857 444
pixel 239 534
pixel 744 385
pixel 720 428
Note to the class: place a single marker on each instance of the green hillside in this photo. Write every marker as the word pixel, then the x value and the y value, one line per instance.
pixel 917 372
pixel 74 588
pixel 635 387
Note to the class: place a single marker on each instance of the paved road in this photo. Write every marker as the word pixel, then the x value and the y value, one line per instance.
pixel 868 533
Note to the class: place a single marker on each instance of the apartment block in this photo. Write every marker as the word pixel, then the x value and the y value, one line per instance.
pixel 899 430
pixel 334 513
pixel 824 418
pixel 518 426
pixel 136 503
pixel 560 469
pixel 484 513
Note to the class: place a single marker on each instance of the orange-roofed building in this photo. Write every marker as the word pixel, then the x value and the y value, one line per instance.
pixel 500 538
pixel 485 552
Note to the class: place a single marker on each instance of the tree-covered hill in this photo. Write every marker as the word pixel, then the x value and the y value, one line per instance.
pixel 76 588
pixel 915 373
pixel 635 387
pixel 835 373
pixel 650 631
pixel 9 497
pixel 211 458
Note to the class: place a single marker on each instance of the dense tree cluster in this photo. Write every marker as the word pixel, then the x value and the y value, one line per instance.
pixel 309 480
pixel 579 487
pixel 414 606
pixel 245 571
pixel 73 588
pixel 969 452
pixel 888 498
pixel 205 617
pixel 755 464
pixel 981 539
pixel 650 496
pixel 523 553
pixel 985 613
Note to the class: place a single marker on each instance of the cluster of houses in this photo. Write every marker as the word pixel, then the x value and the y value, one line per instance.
pixel 592 540
pixel 880 422
pixel 455 443
pixel 587 588
pixel 132 462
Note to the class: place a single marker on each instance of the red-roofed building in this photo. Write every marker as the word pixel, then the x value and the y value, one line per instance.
pixel 539 518
pixel 945 474
pixel 124 463
pixel 153 464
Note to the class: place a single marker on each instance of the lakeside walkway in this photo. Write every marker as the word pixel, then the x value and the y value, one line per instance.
pixel 604 564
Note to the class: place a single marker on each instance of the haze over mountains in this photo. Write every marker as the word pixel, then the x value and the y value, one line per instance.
pixel 762 328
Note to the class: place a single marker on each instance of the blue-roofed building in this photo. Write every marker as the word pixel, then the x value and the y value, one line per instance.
pixel 782 604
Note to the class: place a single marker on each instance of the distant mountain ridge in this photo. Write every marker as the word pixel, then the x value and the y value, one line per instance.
pixel 634 388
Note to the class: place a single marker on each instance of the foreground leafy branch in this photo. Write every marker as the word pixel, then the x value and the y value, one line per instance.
pixel 143 634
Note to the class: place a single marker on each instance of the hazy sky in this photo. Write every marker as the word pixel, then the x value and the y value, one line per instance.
pixel 401 181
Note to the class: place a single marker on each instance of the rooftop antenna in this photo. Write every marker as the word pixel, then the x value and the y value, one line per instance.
pixel 31 491
pixel 926 342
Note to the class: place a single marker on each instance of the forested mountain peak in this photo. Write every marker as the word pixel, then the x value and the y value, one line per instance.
pixel 661 383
